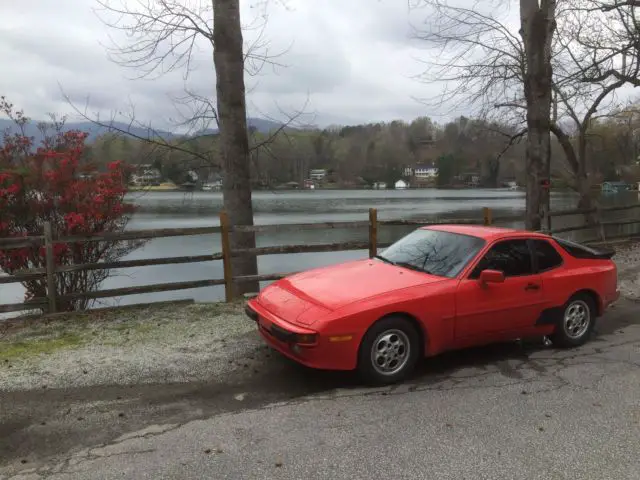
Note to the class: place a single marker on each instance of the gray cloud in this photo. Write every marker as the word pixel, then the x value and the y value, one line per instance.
pixel 351 60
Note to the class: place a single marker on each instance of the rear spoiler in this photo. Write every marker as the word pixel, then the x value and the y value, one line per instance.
pixel 578 250
pixel 602 253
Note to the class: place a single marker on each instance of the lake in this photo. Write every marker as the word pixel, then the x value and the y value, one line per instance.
pixel 180 210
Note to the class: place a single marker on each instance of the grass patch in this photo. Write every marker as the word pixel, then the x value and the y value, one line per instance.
pixel 38 346
pixel 116 328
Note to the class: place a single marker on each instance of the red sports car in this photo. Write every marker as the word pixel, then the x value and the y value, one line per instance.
pixel 439 288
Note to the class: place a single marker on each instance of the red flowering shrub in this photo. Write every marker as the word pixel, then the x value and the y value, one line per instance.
pixel 51 183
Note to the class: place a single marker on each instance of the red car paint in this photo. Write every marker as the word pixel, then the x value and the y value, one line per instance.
pixel 332 307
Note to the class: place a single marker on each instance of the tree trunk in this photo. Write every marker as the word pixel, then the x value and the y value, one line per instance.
pixel 234 139
pixel 582 179
pixel 537 20
pixel 578 165
pixel 584 190
pixel 493 167
pixel 583 185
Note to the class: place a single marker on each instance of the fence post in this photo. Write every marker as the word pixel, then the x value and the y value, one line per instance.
pixel 486 213
pixel 51 267
pixel 373 232
pixel 226 256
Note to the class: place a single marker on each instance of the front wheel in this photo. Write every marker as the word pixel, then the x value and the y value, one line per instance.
pixel 576 323
pixel 389 351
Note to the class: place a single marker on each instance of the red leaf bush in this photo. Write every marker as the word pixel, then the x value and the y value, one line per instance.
pixel 51 182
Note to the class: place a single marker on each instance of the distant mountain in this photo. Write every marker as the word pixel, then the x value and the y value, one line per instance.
pixel 93 130
pixel 262 125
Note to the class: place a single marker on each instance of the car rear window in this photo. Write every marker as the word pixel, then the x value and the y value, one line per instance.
pixel 546 255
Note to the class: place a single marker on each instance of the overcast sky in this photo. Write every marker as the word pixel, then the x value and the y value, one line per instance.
pixel 352 59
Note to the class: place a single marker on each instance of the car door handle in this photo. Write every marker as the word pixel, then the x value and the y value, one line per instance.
pixel 532 286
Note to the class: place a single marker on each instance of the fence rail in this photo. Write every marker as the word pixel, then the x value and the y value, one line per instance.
pixel 50 303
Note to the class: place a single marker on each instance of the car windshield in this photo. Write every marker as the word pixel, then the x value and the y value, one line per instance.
pixel 435 252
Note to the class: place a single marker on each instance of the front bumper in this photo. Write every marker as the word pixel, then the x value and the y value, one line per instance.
pixel 284 337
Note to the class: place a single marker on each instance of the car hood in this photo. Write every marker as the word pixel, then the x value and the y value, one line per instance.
pixel 303 297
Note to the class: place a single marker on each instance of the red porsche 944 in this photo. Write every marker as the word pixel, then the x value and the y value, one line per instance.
pixel 439 288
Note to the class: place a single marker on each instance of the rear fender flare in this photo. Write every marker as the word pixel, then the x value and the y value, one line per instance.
pixel 553 315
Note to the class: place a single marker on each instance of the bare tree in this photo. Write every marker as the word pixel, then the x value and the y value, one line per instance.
pixel 612 36
pixel 537 27
pixel 577 48
pixel 162 36
pixel 487 65
pixel 579 102
pixel 232 114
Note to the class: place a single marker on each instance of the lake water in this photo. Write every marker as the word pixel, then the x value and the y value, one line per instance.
pixel 180 210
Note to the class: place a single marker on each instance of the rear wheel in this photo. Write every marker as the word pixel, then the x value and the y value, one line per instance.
pixel 389 351
pixel 576 323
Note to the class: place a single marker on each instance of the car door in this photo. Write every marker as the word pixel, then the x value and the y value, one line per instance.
pixel 500 309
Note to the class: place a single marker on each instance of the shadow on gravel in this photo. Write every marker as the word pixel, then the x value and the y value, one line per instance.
pixel 299 380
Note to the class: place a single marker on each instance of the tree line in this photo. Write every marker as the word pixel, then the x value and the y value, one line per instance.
pixel 362 155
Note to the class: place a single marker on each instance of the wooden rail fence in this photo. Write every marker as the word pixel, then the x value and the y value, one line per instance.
pixel 50 303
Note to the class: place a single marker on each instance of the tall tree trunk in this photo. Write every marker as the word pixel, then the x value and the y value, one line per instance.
pixel 582 178
pixel 228 59
pixel 578 164
pixel 537 20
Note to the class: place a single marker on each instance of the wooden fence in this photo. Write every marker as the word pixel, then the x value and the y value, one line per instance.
pixel 50 303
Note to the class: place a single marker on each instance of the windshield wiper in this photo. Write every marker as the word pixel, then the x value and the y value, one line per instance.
pixel 410 266
pixel 384 259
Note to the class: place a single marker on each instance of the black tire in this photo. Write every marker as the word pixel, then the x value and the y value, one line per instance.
pixel 402 347
pixel 575 331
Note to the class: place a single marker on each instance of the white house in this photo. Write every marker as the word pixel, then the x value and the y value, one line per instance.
pixel 212 185
pixel 422 172
pixel 317 174
pixel 401 185
pixel 146 175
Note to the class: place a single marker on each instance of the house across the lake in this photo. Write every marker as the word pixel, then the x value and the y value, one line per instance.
pixel 146 174
pixel 422 171
pixel 317 174
pixel 421 175
pixel 615 187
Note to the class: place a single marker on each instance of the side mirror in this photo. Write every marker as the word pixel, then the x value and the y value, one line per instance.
pixel 491 276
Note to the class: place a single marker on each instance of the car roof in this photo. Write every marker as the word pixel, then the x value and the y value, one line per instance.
pixel 485 232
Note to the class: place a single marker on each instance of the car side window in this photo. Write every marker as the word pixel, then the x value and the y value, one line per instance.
pixel 546 255
pixel 512 257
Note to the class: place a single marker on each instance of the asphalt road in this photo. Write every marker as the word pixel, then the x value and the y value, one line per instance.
pixel 503 412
